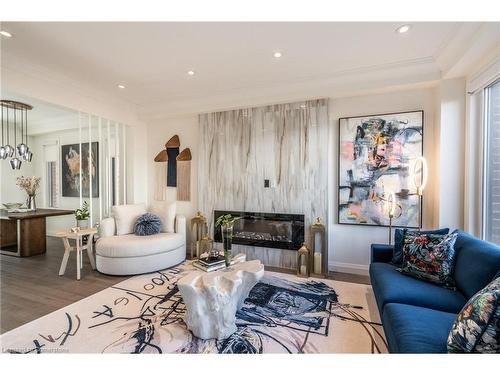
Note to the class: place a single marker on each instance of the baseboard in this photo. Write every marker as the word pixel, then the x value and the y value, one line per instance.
pixel 357 269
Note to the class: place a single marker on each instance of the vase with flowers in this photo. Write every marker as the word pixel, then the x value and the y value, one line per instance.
pixel 30 185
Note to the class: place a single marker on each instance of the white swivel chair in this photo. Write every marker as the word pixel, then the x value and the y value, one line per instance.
pixel 120 252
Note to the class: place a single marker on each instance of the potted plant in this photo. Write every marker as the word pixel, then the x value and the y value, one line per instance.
pixel 226 223
pixel 82 215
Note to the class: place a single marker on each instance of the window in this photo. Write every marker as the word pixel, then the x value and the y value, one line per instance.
pixel 491 203
pixel 52 185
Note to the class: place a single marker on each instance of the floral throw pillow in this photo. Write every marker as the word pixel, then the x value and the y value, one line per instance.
pixel 430 257
pixel 477 327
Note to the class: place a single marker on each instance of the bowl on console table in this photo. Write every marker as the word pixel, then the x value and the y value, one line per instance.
pixel 12 206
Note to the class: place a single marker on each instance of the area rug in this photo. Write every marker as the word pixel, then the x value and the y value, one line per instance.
pixel 144 314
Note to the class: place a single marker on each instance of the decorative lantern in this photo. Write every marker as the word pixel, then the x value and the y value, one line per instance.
pixel 199 229
pixel 303 261
pixel 319 252
pixel 207 246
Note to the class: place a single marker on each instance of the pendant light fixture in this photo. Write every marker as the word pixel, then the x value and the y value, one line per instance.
pixel 15 162
pixel 29 154
pixel 21 147
pixel 8 148
pixel 3 150
pixel 21 151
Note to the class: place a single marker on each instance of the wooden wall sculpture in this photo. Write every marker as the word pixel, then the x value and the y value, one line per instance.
pixel 173 169
pixel 172 147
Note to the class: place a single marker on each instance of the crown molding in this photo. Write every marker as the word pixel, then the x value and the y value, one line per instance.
pixel 467 49
pixel 340 84
pixel 487 74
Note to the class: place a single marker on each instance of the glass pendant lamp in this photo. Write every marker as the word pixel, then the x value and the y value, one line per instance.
pixel 9 150
pixel 15 162
pixel 3 150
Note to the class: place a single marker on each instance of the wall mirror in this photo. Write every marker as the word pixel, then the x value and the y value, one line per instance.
pixel 80 157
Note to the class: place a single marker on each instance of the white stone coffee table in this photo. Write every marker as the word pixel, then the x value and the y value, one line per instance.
pixel 213 298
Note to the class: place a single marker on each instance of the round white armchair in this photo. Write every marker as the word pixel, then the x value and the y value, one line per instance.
pixel 120 252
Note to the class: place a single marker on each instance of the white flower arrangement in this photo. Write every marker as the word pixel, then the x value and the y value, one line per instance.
pixel 29 184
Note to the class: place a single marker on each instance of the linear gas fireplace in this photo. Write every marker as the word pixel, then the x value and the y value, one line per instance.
pixel 278 231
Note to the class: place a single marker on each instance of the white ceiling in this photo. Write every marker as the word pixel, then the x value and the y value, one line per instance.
pixel 152 59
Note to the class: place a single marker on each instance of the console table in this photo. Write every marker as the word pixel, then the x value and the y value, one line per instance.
pixel 23 234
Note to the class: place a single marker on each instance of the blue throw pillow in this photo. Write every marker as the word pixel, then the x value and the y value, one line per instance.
pixel 399 235
pixel 477 327
pixel 147 225
pixel 430 257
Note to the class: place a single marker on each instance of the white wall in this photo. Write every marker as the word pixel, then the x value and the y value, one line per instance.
pixel 452 153
pixel 349 245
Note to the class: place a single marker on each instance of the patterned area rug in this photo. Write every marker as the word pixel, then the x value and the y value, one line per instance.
pixel 144 314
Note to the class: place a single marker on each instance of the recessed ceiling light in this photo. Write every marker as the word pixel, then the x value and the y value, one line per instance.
pixel 403 29
pixel 6 34
pixel 277 54
pixel 121 86
pixel 191 72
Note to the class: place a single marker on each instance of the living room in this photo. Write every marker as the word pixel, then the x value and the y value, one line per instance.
pixel 250 187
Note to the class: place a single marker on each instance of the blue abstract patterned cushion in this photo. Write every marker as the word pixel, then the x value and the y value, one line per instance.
pixel 399 241
pixel 430 257
pixel 477 327
pixel 147 225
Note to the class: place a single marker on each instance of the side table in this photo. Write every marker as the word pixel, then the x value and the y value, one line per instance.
pixel 66 235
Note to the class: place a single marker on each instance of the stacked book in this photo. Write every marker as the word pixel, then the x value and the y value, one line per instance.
pixel 209 264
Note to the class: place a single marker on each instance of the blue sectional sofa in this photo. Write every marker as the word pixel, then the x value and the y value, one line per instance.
pixel 417 315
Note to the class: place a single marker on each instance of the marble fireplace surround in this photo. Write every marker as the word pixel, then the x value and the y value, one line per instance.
pixel 286 144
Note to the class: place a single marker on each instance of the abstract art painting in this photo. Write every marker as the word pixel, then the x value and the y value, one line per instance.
pixel 377 156
pixel 73 163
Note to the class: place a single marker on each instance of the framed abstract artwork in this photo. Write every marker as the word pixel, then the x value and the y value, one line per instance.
pixel 71 160
pixel 377 154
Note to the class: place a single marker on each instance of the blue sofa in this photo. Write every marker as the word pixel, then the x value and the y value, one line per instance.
pixel 417 315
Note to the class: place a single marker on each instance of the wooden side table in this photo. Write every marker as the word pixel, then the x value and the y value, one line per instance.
pixel 79 247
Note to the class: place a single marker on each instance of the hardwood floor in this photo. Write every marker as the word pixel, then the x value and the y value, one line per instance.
pixel 30 287
pixel 339 276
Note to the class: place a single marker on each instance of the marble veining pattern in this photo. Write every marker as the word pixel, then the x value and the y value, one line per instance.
pixel 286 144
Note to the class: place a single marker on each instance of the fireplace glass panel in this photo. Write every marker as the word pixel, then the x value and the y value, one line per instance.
pixel 280 231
